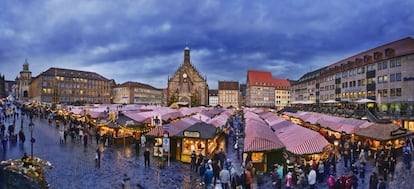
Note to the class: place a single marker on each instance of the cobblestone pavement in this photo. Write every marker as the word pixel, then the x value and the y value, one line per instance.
pixel 74 165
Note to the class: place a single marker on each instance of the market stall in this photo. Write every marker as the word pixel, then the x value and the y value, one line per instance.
pixel 384 136
pixel 261 145
pixel 123 129
pixel 200 137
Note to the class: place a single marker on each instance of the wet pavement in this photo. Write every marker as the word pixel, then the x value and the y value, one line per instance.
pixel 74 165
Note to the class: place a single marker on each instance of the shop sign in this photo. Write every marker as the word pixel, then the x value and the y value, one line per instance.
pixel 166 144
pixel 193 134
pixel 408 78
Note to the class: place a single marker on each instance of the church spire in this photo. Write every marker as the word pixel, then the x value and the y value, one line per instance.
pixel 25 65
pixel 186 54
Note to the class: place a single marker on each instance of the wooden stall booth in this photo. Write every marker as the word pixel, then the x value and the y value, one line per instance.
pixel 123 130
pixel 200 137
pixel 383 136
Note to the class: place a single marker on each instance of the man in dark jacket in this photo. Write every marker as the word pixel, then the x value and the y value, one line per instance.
pixel 147 157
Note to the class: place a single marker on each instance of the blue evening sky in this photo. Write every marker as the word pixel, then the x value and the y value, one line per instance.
pixel 143 40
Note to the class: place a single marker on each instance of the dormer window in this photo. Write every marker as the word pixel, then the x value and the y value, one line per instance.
pixel 389 52
pixel 377 55
pixel 367 58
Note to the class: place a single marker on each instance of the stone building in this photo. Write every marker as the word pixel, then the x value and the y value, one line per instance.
pixel 2 87
pixel 57 85
pixel 136 93
pixel 187 86
pixel 228 93
pixel 23 83
pixel 262 90
pixel 213 99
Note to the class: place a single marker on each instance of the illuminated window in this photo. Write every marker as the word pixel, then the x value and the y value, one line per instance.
pixel 258 157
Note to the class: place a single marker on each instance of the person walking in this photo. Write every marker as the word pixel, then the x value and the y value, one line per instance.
pixel 321 171
pixel 147 157
pixel 373 181
pixel 289 180
pixel 362 170
pixel 98 157
pixel 225 178
pixel 85 139
pixel 208 177
pixel 312 179
pixel 193 161
pixel 201 172
pixel 137 143
pixel 331 182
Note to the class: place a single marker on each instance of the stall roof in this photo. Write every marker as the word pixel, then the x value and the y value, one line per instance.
pixel 304 141
pixel 174 128
pixel 382 132
pixel 339 124
pixel 207 131
pixel 127 122
pixel 259 136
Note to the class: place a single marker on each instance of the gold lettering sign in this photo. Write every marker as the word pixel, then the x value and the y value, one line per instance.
pixel 193 134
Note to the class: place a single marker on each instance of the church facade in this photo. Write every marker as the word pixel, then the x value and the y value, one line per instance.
pixel 23 83
pixel 187 86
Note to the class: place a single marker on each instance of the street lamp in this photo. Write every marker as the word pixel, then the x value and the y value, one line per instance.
pixel 32 140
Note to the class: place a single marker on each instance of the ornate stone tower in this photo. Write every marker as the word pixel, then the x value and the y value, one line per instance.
pixel 187 85
pixel 24 82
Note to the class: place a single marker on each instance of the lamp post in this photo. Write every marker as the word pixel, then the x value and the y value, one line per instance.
pixel 32 140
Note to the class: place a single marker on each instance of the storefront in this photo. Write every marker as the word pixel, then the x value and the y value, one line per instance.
pixel 123 130
pixel 201 138
pixel 383 136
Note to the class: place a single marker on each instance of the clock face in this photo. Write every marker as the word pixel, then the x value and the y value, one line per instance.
pixel 185 75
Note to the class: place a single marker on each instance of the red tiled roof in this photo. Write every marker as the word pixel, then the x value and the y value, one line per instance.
pixel 400 47
pixel 261 78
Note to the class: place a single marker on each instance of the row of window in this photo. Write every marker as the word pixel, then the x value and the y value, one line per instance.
pixel 361 70
pixel 393 92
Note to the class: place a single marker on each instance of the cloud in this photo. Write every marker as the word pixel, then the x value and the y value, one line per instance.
pixel 144 40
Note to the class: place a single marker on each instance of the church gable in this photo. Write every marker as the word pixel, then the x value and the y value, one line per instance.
pixel 187 84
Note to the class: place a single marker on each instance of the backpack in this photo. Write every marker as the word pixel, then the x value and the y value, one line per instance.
pixel 235 180
pixel 243 178
pixel 331 181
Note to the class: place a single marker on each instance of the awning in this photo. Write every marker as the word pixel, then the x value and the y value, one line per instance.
pixel 384 132
pixel 259 137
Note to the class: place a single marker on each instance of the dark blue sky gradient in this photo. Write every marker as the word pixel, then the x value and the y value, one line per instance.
pixel 144 40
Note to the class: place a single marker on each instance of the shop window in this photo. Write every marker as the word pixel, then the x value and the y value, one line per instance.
pixel 258 157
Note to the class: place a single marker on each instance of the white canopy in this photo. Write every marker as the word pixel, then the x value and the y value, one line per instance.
pixel 330 102
pixel 365 100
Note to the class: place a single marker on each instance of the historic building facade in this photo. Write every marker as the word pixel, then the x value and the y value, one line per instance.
pixel 384 74
pixel 22 86
pixel 228 93
pixel 187 85
pixel 262 90
pixel 213 99
pixel 57 85
pixel 136 93
pixel 2 87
